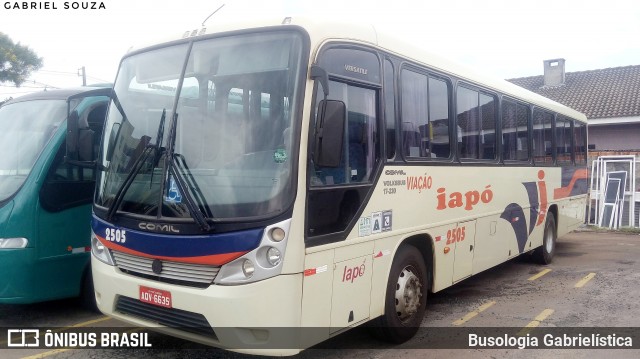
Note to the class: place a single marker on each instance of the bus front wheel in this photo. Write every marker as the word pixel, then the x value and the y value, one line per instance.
pixel 406 297
pixel 544 254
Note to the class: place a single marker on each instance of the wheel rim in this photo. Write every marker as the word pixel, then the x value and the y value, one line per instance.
pixel 549 242
pixel 408 294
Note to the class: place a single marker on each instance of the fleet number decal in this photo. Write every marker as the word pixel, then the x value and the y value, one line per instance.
pixel 455 235
pixel 115 235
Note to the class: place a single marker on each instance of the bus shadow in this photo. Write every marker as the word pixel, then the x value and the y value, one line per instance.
pixel 56 313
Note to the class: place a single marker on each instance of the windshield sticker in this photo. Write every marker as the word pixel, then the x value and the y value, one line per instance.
pixel 173 193
pixel 376 220
pixel 387 220
pixel 280 156
pixel 364 226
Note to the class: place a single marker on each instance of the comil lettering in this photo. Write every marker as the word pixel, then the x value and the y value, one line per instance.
pixel 158 227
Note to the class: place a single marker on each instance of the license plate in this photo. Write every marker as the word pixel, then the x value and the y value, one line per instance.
pixel 161 298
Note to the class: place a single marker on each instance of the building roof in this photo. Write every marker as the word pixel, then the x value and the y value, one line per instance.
pixel 605 93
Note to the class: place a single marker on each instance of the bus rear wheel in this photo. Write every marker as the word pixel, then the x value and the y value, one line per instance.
pixel 544 254
pixel 406 297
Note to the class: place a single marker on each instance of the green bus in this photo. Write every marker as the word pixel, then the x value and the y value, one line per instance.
pixel 49 142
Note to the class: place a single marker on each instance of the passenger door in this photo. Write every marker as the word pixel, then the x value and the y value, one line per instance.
pixel 336 194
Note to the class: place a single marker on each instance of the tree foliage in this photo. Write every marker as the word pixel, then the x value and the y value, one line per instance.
pixel 17 62
pixel 5 100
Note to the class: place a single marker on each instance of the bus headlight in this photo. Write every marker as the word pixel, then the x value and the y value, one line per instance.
pixel 13 243
pixel 274 256
pixel 264 262
pixel 99 251
pixel 277 234
pixel 248 268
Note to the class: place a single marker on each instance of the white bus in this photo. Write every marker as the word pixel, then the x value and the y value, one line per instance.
pixel 311 176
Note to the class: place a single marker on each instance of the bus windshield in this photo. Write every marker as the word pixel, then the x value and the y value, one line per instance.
pixel 203 127
pixel 25 127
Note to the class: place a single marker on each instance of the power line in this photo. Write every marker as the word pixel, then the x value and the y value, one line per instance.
pixel 41 83
pixel 26 84
pixel 27 87
pixel 68 73
pixel 95 78
pixel 24 91
pixel 58 72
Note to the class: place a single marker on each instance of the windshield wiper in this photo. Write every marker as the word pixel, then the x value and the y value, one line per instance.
pixel 137 166
pixel 170 170
pixel 158 145
pixel 181 163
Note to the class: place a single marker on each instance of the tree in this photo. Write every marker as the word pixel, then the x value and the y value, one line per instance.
pixel 17 62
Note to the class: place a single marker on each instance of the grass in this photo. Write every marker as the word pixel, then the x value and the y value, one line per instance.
pixel 625 230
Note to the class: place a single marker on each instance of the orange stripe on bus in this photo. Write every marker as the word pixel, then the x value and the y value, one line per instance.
pixel 214 259
pixel 564 192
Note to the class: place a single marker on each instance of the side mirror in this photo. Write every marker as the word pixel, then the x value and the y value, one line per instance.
pixel 72 136
pixel 329 135
pixel 321 75
pixel 80 142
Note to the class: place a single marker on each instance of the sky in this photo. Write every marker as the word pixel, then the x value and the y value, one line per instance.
pixel 500 38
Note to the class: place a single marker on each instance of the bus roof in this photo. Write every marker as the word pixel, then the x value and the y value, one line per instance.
pixel 63 94
pixel 322 31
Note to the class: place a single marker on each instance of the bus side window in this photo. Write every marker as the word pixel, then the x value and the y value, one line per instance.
pixel 477 121
pixel 425 116
pixel 389 109
pixel 358 157
pixel 66 185
pixel 542 149
pixel 337 193
pixel 579 143
pixel 515 146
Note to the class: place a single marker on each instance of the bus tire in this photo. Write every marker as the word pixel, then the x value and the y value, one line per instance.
pixel 544 254
pixel 405 298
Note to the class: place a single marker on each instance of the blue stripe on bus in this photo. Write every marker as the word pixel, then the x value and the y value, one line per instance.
pixel 157 244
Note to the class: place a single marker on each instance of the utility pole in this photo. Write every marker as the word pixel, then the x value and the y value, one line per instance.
pixel 83 73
